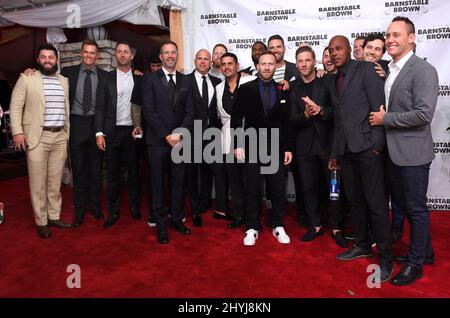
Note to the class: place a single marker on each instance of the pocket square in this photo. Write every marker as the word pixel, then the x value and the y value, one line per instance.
pixel 283 101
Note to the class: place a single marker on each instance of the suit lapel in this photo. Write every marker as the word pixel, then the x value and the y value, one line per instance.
pixel 114 90
pixel 348 76
pixel 178 85
pixel 405 70
pixel 260 106
pixel 41 89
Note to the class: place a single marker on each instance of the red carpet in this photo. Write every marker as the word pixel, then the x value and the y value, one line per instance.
pixel 126 260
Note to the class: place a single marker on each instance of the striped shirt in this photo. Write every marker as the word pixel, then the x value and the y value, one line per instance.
pixel 55 102
pixel 279 74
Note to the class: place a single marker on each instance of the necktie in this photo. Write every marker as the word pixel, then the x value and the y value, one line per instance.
pixel 171 90
pixel 205 98
pixel 340 83
pixel 87 92
pixel 266 98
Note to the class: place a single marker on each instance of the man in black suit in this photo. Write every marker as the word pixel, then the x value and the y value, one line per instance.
pixel 205 114
pixel 166 105
pixel 358 90
pixel 85 82
pixel 312 121
pixel 115 131
pixel 264 108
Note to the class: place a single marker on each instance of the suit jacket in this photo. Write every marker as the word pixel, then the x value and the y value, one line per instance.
pixel 291 71
pixel 248 107
pixel 363 92
pixel 411 106
pixel 208 116
pixel 106 111
pixel 28 107
pixel 72 72
pixel 317 129
pixel 161 116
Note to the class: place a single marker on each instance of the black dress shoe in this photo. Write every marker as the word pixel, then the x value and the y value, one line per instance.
pixel 98 215
pixel 219 216
pixel 136 214
pixel 78 221
pixel 429 260
pixel 349 236
pixel 180 227
pixel 311 234
pixel 354 253
pixel 197 220
pixel 386 271
pixel 44 231
pixel 60 224
pixel 408 275
pixel 236 223
pixel 162 237
pixel 340 240
pixel 111 220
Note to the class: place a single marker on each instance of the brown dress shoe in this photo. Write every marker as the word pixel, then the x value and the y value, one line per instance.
pixel 59 223
pixel 44 231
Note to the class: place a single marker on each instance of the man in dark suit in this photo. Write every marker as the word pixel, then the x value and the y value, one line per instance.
pixel 412 88
pixel 115 130
pixel 264 108
pixel 166 105
pixel 205 114
pixel 358 90
pixel 312 121
pixel 85 82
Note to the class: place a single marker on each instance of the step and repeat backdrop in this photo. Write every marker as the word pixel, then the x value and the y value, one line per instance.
pixel 238 24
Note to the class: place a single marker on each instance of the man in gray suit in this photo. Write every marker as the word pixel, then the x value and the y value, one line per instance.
pixel 411 96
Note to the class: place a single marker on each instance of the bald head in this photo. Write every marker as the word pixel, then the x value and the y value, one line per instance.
pixel 202 61
pixel 340 50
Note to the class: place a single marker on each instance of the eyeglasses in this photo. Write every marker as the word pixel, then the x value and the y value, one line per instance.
pixel 169 52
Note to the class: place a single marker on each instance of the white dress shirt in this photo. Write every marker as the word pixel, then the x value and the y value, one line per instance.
pixel 125 84
pixel 394 70
pixel 174 77
pixel 199 80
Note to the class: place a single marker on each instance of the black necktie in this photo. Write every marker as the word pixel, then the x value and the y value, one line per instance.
pixel 205 97
pixel 87 92
pixel 266 98
pixel 171 88
pixel 340 83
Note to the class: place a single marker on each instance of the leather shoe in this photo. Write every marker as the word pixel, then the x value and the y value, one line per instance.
pixel 111 220
pixel 44 231
pixel 236 223
pixel 136 214
pixel 340 240
pixel 58 223
pixel 408 275
pixel 78 221
pixel 98 215
pixel 219 216
pixel 311 234
pixel 354 253
pixel 386 271
pixel 162 237
pixel 429 260
pixel 180 227
pixel 197 220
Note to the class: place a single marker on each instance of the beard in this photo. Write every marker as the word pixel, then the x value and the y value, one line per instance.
pixel 47 71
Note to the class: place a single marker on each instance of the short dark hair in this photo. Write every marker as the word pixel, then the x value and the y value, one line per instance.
pixel 267 53
pixel 275 37
pixel 167 43
pixel 47 47
pixel 154 57
pixel 220 45
pixel 325 49
pixel 259 42
pixel 409 23
pixel 232 55
pixel 305 49
pixel 132 50
pixel 89 42
pixel 375 36
pixel 361 37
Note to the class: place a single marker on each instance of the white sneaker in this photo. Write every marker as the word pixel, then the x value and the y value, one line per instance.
pixel 250 237
pixel 281 235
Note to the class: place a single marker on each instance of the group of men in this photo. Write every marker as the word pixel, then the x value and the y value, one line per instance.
pixel 364 117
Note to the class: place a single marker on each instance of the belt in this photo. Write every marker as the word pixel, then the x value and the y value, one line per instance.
pixel 53 129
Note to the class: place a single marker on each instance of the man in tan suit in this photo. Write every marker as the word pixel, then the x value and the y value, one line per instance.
pixel 40 125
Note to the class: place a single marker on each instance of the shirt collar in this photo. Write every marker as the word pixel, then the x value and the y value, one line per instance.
pixel 119 72
pixel 400 63
pixel 83 68
pixel 167 72
pixel 199 75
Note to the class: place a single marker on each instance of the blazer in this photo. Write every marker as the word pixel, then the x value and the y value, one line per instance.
pixel 410 110
pixel 224 117
pixel 106 111
pixel 72 72
pixel 317 129
pixel 27 107
pixel 363 92
pixel 291 72
pixel 161 116
pixel 248 107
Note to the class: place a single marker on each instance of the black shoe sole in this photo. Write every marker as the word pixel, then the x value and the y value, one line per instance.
pixel 407 283
pixel 356 257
